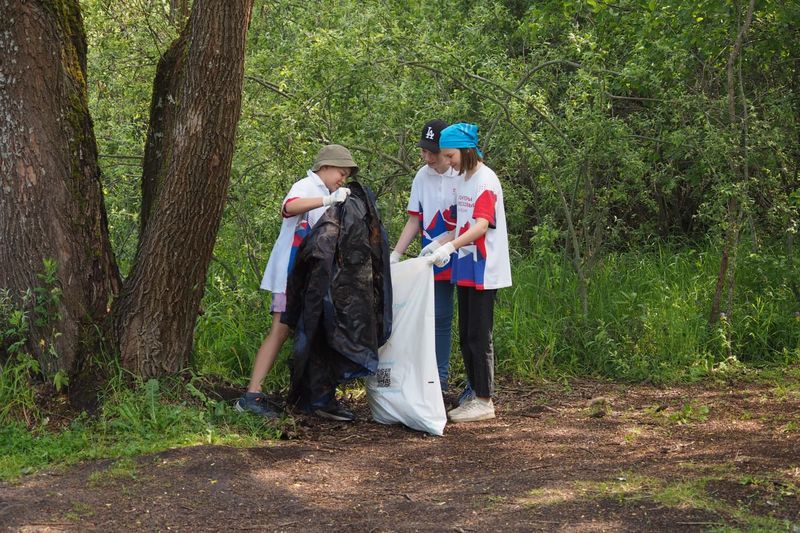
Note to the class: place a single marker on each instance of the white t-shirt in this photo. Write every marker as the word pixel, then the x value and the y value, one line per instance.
pixel 433 200
pixel 293 230
pixel 484 263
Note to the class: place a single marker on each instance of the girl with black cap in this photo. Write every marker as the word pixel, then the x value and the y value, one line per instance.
pixel 431 214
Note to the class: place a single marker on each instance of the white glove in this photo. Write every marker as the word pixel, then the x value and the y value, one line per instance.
pixel 432 247
pixel 338 196
pixel 441 256
pixel 394 257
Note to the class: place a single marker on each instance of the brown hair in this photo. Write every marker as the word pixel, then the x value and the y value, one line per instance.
pixel 469 159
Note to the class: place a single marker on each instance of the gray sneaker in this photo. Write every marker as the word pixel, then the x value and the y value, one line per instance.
pixel 472 411
pixel 255 402
pixel 335 411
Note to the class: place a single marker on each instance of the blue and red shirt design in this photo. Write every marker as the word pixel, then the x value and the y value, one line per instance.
pixel 433 201
pixel 483 263
pixel 442 222
pixel 300 232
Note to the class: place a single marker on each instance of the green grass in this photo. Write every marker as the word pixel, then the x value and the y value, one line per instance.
pixel 648 315
pixel 124 469
pixel 148 418
pixel 685 493
pixel 228 334
pixel 648 320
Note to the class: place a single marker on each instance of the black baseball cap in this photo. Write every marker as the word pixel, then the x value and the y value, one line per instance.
pixel 429 140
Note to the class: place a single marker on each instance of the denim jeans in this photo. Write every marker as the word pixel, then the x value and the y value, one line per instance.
pixel 443 309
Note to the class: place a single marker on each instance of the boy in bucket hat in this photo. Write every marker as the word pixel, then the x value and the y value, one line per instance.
pixel 302 207
pixel 431 214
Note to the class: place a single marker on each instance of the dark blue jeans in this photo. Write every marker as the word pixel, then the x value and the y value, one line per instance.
pixel 443 309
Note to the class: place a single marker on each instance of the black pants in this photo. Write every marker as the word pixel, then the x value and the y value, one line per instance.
pixel 475 323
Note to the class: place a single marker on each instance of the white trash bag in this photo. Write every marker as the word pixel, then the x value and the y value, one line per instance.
pixel 405 389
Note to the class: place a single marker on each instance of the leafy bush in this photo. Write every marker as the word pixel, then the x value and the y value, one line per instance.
pixel 17 367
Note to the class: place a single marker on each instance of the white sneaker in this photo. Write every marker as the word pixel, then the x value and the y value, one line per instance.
pixel 472 410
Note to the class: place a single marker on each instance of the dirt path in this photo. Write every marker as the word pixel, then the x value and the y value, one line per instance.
pixel 596 457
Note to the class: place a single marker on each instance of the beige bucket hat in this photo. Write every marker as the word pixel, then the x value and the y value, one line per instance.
pixel 335 155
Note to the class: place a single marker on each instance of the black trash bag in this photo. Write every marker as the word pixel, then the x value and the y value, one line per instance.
pixel 338 300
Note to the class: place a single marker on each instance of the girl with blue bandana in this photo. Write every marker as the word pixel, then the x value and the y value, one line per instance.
pixel 481 263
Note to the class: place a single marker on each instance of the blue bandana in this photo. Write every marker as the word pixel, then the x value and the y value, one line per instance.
pixel 461 135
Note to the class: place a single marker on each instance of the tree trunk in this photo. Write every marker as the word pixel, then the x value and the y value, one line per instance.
pixel 178 11
pixel 51 197
pixel 195 109
pixel 791 185
pixel 50 193
pixel 738 172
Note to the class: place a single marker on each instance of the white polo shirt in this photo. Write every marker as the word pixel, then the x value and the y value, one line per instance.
pixel 293 230
pixel 433 200
pixel 484 263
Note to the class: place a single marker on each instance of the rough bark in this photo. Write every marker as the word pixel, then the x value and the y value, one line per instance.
pixel 197 100
pixel 51 202
pixel 178 10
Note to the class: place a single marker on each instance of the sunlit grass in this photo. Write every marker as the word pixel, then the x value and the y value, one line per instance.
pixel 648 320
pixel 687 493
pixel 148 418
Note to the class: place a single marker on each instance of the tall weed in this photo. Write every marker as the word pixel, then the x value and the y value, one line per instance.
pixel 648 318
pixel 228 334
pixel 648 315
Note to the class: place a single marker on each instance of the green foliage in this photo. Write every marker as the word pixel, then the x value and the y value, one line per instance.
pixel 47 295
pixel 230 331
pixel 17 398
pixel 690 413
pixel 647 319
pixel 19 369
pixel 60 380
pixel 125 42
pixel 622 106
pixel 46 317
